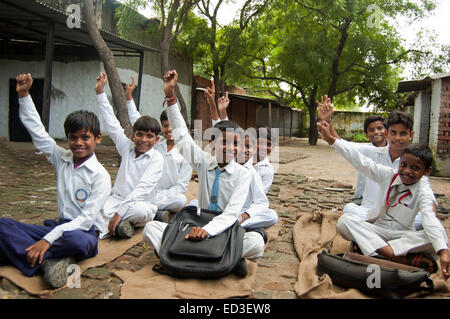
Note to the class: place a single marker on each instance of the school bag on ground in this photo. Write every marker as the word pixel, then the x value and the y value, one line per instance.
pixel 212 257
pixel 357 271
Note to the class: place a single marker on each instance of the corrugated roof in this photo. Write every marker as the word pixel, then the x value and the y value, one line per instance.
pixel 28 20
pixel 420 84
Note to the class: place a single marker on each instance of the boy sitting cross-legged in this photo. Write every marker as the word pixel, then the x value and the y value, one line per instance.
pixel 399 134
pixel 132 202
pixel 176 173
pixel 389 230
pixel 223 183
pixel 82 184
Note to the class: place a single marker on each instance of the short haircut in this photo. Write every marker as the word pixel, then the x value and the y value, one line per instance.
pixel 397 117
pixel 421 151
pixel 264 132
pixel 227 124
pixel 82 119
pixel 147 124
pixel 373 118
pixel 163 116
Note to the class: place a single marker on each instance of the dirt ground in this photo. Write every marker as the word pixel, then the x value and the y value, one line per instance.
pixel 28 194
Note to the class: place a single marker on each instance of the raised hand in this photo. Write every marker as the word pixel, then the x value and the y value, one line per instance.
pixel 170 81
pixel 102 79
pixel 223 104
pixel 325 132
pixel 325 108
pixel 210 93
pixel 129 88
pixel 23 85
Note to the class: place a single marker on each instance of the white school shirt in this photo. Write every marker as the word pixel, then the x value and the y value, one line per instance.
pixel 137 178
pixel 381 156
pixel 420 200
pixel 234 181
pixel 80 191
pixel 177 172
pixel 265 170
pixel 256 202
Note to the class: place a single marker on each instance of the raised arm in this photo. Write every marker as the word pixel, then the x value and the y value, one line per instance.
pixel 133 113
pixel 32 121
pixel 362 163
pixel 112 125
pixel 191 152
pixel 210 99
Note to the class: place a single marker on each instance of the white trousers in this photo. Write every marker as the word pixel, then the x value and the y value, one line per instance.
pixel 361 212
pixel 173 202
pixel 253 242
pixel 261 220
pixel 371 237
pixel 140 213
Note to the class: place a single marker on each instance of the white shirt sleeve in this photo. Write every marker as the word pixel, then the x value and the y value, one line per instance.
pixel 364 164
pixel 184 177
pixel 133 113
pixel 232 211
pixel 41 139
pixel 431 225
pixel 101 188
pixel 214 122
pixel 191 152
pixel 146 184
pixel 112 125
pixel 260 202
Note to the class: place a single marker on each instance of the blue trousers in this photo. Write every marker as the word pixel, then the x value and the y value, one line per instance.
pixel 15 237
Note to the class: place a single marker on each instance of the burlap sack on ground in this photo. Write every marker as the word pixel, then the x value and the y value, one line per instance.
pixel 108 250
pixel 148 284
pixel 314 232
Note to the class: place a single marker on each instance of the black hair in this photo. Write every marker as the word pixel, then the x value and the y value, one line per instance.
pixel 82 119
pixel 264 132
pixel 147 124
pixel 397 117
pixel 373 118
pixel 163 116
pixel 421 151
pixel 227 124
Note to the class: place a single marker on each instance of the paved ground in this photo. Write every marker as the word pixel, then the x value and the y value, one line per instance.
pixel 28 194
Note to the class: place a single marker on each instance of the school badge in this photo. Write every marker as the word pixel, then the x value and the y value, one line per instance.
pixel 81 195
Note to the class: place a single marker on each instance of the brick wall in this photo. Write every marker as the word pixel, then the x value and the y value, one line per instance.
pixel 443 144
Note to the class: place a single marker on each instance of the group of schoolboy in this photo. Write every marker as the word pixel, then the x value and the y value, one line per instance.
pixel 149 188
pixel 395 220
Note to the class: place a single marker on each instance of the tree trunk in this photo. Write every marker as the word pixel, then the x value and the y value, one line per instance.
pixel 164 69
pixel 312 108
pixel 117 91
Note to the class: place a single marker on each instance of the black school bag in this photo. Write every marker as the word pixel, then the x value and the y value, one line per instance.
pixel 351 272
pixel 212 257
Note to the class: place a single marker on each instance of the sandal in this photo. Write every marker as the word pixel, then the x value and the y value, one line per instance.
pixel 419 260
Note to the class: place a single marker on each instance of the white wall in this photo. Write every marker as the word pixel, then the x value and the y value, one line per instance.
pixel 434 114
pixel 74 84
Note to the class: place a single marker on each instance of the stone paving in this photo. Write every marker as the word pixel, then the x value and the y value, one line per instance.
pixel 28 194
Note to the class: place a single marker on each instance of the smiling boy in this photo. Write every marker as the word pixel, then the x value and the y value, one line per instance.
pixel 83 185
pixel 132 202
pixel 389 230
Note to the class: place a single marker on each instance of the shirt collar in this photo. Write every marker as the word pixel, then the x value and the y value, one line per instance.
pixel 230 167
pixel 264 162
pixel 412 188
pixel 90 163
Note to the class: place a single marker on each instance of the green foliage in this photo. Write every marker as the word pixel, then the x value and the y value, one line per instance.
pixel 360 138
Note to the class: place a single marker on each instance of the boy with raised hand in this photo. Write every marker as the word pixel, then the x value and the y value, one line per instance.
pixel 176 173
pixel 132 202
pixel 376 132
pixel 389 230
pixel 231 180
pixel 82 184
pixel 399 134
pixel 255 212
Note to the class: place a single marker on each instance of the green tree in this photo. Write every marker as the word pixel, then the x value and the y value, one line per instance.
pixel 172 16
pixel 302 49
